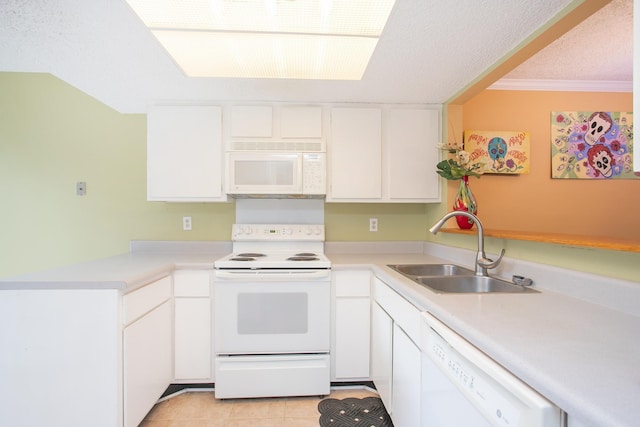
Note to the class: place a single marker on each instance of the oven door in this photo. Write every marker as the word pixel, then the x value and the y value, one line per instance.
pixel 272 313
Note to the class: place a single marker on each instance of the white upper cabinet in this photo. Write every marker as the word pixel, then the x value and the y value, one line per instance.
pixel 275 122
pixel 184 154
pixel 384 155
pixel 252 121
pixel 411 138
pixel 376 153
pixel 355 153
pixel 301 122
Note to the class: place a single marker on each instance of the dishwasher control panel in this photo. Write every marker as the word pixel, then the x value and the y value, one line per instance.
pixel 483 392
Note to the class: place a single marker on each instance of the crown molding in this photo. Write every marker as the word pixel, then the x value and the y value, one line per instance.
pixel 563 85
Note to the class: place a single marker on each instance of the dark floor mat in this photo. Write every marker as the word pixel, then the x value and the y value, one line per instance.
pixel 352 412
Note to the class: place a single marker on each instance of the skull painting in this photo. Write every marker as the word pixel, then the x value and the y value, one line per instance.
pixel 599 124
pixel 601 160
pixel 497 151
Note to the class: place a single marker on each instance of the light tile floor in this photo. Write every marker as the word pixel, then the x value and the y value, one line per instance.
pixel 200 409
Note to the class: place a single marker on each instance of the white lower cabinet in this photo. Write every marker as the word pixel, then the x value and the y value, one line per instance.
pixel 193 336
pixel 351 323
pixel 406 380
pixel 382 353
pixel 395 356
pixel 147 345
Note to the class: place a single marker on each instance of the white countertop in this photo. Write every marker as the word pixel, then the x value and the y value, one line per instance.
pixel 123 272
pixel 582 356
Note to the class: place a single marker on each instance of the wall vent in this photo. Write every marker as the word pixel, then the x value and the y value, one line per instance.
pixel 282 145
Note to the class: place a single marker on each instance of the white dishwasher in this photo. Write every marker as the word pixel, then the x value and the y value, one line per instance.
pixel 461 386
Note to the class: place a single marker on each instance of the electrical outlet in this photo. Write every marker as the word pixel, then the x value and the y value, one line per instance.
pixel 186 223
pixel 373 224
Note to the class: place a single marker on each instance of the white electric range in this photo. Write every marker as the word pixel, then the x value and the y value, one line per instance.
pixel 272 312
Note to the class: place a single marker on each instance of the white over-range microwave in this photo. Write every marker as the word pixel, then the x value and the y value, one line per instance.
pixel 269 173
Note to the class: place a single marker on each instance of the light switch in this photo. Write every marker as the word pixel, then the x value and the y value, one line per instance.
pixel 81 188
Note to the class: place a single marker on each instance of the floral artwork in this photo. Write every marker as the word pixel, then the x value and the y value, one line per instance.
pixel 500 152
pixel 592 145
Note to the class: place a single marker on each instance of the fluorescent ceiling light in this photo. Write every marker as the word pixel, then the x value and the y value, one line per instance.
pixel 289 39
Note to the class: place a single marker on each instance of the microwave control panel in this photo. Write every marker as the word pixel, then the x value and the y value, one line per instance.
pixel 314 173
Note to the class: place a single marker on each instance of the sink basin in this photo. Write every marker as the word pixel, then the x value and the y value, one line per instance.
pixel 452 279
pixel 431 270
pixel 470 285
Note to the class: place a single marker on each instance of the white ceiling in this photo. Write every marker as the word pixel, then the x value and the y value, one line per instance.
pixel 428 51
pixel 600 49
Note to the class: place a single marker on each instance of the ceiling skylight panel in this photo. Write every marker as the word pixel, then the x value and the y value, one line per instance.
pixel 354 17
pixel 268 56
pixel 295 39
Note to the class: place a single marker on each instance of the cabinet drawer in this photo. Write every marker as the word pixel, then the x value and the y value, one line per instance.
pixel 403 313
pixel 191 283
pixel 143 300
pixel 352 283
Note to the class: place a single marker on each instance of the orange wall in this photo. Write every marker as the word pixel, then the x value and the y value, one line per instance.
pixel 534 202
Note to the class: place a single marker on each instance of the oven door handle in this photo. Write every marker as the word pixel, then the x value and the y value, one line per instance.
pixel 306 275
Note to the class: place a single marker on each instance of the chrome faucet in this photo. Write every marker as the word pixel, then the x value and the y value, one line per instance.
pixel 482 262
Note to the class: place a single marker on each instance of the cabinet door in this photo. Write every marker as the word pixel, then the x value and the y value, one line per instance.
pixel 382 353
pixel 193 339
pixel 351 324
pixel 252 121
pixel 301 122
pixel 352 338
pixel 356 153
pixel 191 283
pixel 147 362
pixel 184 153
pixel 406 380
pixel 411 138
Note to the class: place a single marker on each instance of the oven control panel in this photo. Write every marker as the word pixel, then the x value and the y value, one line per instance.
pixel 277 232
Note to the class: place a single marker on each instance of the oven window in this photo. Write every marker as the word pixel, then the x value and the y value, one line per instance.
pixel 273 313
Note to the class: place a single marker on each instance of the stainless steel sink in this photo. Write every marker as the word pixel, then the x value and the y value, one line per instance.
pixel 453 279
pixel 416 270
pixel 471 285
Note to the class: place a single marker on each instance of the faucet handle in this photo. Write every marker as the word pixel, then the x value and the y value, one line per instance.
pixel 489 263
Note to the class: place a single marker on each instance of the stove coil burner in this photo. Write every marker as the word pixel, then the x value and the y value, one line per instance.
pixel 248 256
pixel 299 257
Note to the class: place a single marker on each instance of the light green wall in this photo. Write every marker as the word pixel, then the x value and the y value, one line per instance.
pixel 52 135
pixel 350 221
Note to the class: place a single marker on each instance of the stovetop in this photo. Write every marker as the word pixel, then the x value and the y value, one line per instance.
pixel 276 246
pixel 279 259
